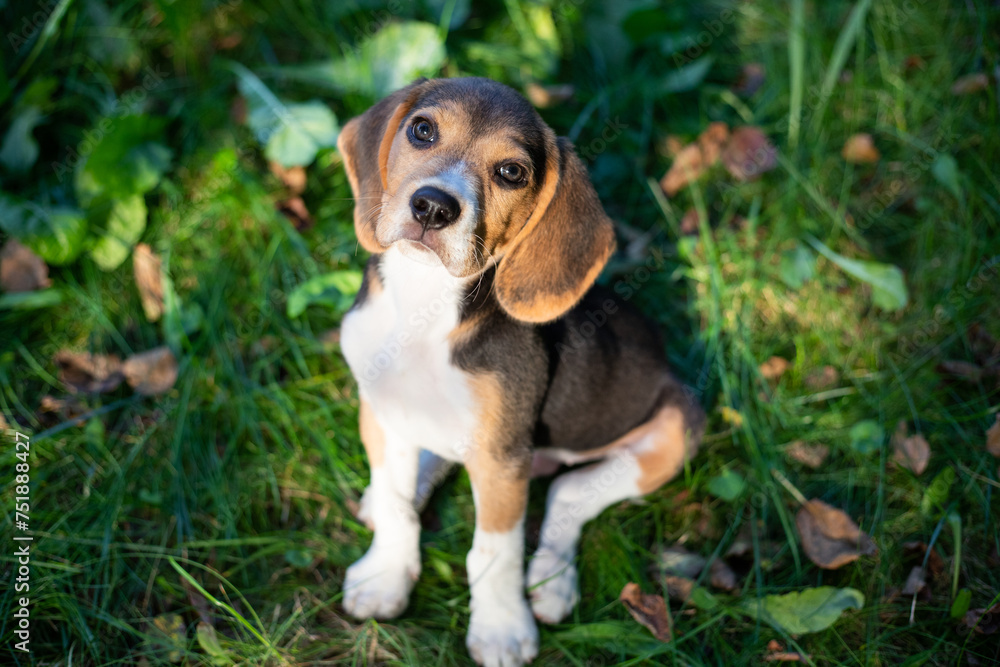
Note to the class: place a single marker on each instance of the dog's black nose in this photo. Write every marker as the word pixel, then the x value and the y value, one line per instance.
pixel 434 208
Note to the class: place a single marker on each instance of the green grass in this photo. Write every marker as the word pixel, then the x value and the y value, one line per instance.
pixel 225 501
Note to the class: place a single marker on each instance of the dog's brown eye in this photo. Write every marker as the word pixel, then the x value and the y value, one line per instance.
pixel 422 130
pixel 512 172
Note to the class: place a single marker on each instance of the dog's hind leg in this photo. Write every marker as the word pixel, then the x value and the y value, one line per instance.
pixel 636 464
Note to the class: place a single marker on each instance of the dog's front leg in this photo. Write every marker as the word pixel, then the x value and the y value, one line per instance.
pixel 379 584
pixel 502 630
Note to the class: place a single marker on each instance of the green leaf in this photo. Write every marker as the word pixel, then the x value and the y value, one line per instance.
pixel 208 640
pixel 393 57
pixel 54 234
pixel 336 289
pixel 124 159
pixel 703 599
pixel 31 300
pixel 299 557
pixel 938 491
pixel 728 485
pixel 20 150
pixel 961 603
pixel 797 266
pixel 126 223
pixel 888 287
pixel 867 437
pixel 802 612
pixel 945 170
pixel 684 78
pixel 304 130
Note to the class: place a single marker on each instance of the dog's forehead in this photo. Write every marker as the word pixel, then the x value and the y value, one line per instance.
pixel 485 108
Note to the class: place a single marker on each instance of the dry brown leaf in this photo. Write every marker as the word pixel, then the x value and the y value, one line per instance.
pixel 751 79
pixel 829 537
pixel 88 373
pixel 722 576
pixel 970 83
pixel 860 149
pixel 812 456
pixel 649 610
pixel 711 142
pixel 824 378
pixel 544 97
pixel 688 165
pixel 671 146
pixel 294 208
pixel 915 583
pixel 294 178
pixel 22 270
pixel 148 280
pixel 749 153
pixel 917 551
pixel 785 656
pixel 910 451
pixel 993 438
pixel 963 370
pixel 774 368
pixel 152 372
pixel 678 588
pixel 689 222
pixel 983 621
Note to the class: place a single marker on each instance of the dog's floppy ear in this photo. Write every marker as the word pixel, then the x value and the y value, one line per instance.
pixel 557 255
pixel 364 144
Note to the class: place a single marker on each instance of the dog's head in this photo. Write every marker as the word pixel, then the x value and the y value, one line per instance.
pixel 465 172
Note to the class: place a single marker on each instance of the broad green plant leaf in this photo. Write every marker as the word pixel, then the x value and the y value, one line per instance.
pixel 120 157
pixel 888 286
pixel 20 150
pixel 208 640
pixel 728 485
pixel 54 234
pixel 945 171
pixel 867 436
pixel 937 492
pixel 686 77
pixel 335 289
pixel 797 266
pixel 388 60
pixel 961 604
pixel 803 612
pixel 126 223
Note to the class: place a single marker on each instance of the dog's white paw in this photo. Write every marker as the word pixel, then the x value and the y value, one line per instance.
pixel 502 637
pixel 379 584
pixel 552 586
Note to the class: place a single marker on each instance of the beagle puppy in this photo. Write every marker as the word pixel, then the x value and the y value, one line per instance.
pixel 477 337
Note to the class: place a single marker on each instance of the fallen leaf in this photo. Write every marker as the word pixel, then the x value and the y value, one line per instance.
pixel 152 372
pixel 824 378
pixel 688 165
pixel 711 142
pixel 294 208
pixel 148 280
pixel 860 149
pixel 812 456
pixel 970 83
pixel 690 222
pixel 722 576
pixel 89 373
pixel 809 610
pixel 678 588
pixel 918 551
pixel 749 153
pixel 671 145
pixel 544 97
pixel 993 438
pixel 963 370
pixel 774 368
pixel 983 621
pixel 294 178
pixel 65 408
pixel 911 452
pixel 751 79
pixel 785 656
pixel 649 610
pixel 829 537
pixel 22 270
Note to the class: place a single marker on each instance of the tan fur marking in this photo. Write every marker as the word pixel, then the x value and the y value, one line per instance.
pixel 662 458
pixel 371 435
pixel 501 486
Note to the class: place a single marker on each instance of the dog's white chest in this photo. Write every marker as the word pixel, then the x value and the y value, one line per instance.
pixel 396 344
